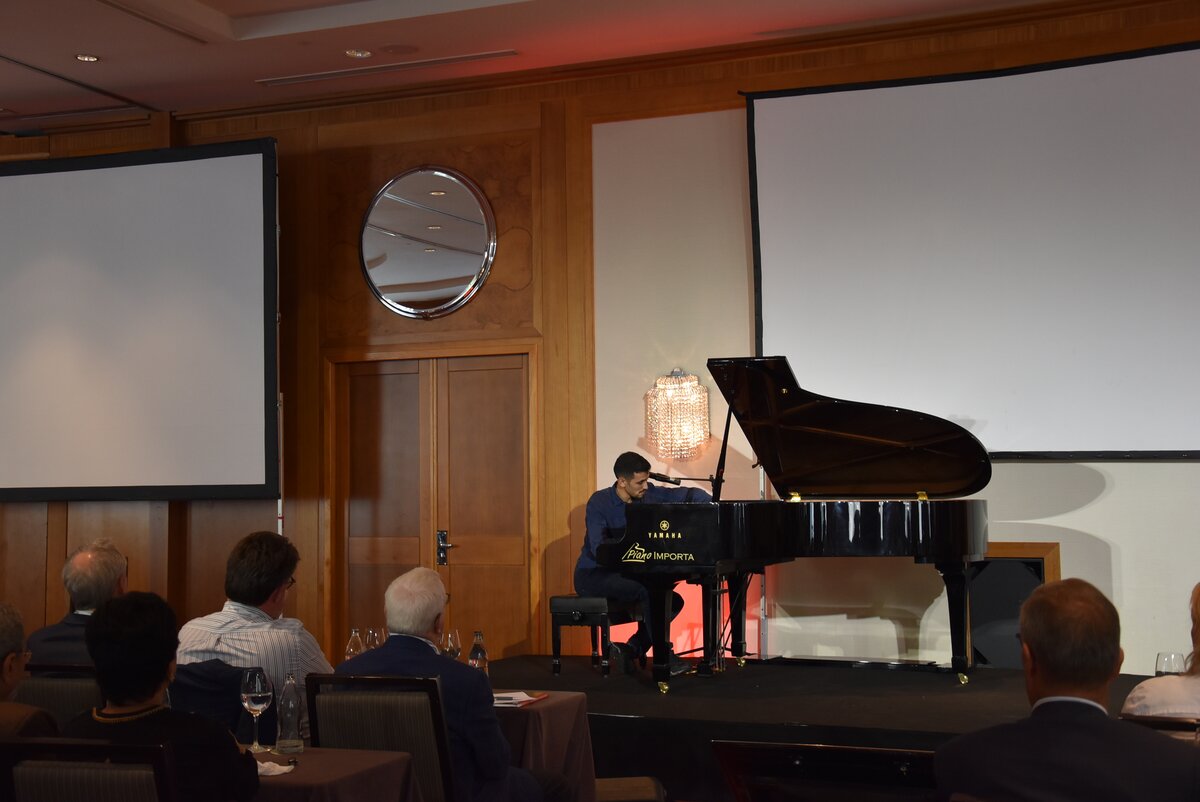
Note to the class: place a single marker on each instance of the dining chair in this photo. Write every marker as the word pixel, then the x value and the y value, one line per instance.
pixel 399 714
pixel 57 769
pixel 63 691
pixel 213 689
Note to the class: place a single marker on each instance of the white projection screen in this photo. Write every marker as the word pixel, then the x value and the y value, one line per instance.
pixel 1017 252
pixel 137 325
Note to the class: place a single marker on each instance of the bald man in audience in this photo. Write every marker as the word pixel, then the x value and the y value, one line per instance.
pixel 16 719
pixel 92 575
pixel 1069 748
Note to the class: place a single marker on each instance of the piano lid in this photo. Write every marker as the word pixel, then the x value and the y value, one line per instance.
pixel 822 447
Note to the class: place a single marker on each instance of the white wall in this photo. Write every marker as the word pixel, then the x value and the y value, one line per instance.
pixel 673 286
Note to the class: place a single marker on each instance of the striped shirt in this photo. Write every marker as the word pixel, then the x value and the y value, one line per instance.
pixel 243 635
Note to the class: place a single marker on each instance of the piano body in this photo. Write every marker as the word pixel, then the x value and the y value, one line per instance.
pixel 854 479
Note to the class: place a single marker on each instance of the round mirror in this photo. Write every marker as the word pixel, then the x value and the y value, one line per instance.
pixel 428 241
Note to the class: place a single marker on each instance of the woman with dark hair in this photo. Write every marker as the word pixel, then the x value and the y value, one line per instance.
pixel 1172 695
pixel 132 641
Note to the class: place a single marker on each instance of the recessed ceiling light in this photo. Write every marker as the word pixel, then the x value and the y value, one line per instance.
pixel 437 193
pixel 431 250
pixel 430 228
pixel 87 58
pixel 354 52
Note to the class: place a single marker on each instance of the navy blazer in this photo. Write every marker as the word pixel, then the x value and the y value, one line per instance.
pixel 479 754
pixel 61 643
pixel 1068 751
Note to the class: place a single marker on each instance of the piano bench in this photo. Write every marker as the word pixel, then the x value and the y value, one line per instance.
pixel 595 612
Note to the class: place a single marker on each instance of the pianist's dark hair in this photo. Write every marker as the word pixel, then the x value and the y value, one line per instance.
pixel 630 463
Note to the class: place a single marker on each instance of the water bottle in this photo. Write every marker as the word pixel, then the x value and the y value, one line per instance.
pixel 289 718
pixel 354 646
pixel 477 658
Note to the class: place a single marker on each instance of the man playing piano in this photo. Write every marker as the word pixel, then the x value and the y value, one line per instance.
pixel 605 514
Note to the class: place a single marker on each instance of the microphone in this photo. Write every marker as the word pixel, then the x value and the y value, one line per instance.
pixel 662 477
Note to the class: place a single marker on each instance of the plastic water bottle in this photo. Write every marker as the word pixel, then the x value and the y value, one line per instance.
pixel 289 718
pixel 477 657
pixel 354 646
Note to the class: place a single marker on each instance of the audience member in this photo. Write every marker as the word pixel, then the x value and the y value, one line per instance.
pixel 132 642
pixel 1172 695
pixel 605 513
pixel 1068 748
pixel 16 719
pixel 92 575
pixel 480 760
pixel 250 630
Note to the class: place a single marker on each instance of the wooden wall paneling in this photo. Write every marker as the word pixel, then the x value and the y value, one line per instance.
pixel 482 426
pixel 132 526
pixel 209 530
pixel 500 164
pixel 25 561
pixel 388 438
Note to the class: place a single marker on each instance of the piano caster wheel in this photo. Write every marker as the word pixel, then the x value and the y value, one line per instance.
pixel 663 687
pixel 963 679
pixel 741 662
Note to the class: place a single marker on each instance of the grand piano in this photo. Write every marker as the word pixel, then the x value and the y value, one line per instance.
pixel 853 479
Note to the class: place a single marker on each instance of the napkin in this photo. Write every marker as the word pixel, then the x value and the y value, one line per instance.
pixel 266 768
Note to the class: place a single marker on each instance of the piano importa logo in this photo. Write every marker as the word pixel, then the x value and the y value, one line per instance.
pixel 637 554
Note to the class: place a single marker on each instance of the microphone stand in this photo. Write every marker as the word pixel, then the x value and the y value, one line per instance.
pixel 718 478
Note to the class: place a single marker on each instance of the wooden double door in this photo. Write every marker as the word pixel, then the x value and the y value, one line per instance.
pixel 431 446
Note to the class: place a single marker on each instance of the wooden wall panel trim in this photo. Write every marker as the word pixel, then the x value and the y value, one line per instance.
pixel 404 551
pixel 1048 553
pixel 24 564
pixel 467 123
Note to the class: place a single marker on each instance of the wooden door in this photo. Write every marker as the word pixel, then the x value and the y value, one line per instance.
pixel 428 445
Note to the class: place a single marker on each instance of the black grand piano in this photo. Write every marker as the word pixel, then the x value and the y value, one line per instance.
pixel 854 479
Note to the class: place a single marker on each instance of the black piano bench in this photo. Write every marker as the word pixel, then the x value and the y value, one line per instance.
pixel 595 612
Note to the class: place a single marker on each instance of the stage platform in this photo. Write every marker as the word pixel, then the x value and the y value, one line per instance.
pixel 636 730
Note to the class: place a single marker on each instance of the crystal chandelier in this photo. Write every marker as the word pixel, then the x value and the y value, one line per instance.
pixel 677 416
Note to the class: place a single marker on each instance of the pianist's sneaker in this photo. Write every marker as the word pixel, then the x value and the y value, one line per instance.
pixel 622 656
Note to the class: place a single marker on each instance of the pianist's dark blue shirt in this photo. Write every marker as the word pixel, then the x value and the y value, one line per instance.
pixel 606 511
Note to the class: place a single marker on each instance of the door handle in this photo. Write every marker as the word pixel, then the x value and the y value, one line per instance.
pixel 443 545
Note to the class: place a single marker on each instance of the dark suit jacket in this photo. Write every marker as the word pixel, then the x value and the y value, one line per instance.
pixel 25 721
pixel 61 643
pixel 479 755
pixel 1068 751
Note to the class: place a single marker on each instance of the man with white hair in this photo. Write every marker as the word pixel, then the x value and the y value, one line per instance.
pixel 480 759
pixel 92 575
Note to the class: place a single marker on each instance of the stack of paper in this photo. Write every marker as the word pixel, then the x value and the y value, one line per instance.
pixel 517 698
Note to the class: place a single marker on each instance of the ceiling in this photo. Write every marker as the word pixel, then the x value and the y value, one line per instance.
pixel 201 55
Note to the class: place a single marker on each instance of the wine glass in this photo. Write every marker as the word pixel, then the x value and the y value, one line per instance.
pixel 256 697
pixel 1168 663
pixel 453 646
pixel 372 638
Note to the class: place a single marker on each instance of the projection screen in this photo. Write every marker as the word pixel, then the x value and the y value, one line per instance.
pixel 1015 251
pixel 137 325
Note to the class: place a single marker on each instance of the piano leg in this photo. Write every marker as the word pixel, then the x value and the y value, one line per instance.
pixel 958 597
pixel 661 603
pixel 738 584
pixel 710 595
